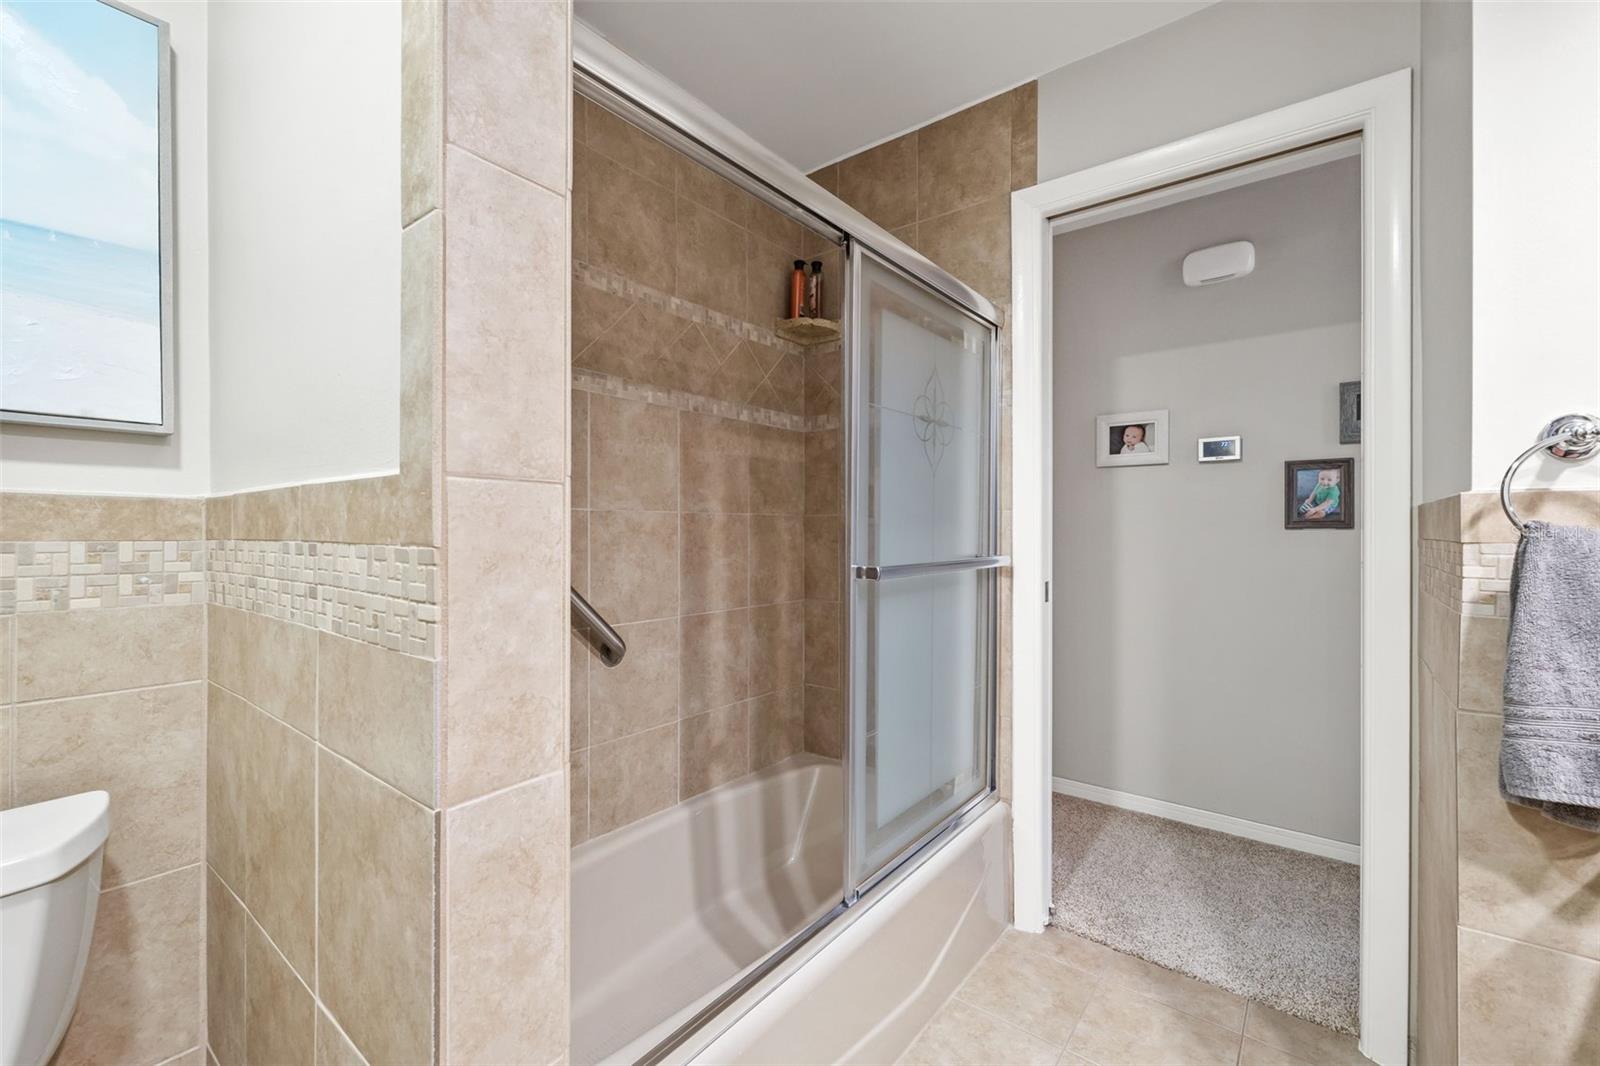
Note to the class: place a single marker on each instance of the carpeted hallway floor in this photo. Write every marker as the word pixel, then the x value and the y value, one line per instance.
pixel 1273 925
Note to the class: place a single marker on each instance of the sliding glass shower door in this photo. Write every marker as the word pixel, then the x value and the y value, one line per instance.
pixel 922 566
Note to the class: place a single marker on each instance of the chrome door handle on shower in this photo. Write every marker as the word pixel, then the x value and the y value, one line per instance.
pixel 612 647
pixel 951 566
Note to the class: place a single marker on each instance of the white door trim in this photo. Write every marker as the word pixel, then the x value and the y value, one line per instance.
pixel 1380 110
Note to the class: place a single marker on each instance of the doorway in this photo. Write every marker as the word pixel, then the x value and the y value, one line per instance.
pixel 1379 112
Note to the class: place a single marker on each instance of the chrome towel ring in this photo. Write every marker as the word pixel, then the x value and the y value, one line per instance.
pixel 1570 438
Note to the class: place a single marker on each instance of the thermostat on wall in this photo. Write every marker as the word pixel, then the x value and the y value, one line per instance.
pixel 1223 262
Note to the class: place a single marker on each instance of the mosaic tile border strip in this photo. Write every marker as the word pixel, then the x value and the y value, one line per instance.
pixel 69 575
pixel 379 594
pixel 1471 579
pixel 618 285
pixel 610 385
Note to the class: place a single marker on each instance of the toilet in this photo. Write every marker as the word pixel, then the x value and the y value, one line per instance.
pixel 50 855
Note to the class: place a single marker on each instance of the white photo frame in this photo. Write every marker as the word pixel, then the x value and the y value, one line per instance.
pixel 1131 438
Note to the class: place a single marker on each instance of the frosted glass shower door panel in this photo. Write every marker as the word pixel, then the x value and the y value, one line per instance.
pixel 922 536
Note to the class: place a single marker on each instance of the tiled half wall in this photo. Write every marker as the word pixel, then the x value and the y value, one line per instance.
pixel 270 757
pixel 1507 901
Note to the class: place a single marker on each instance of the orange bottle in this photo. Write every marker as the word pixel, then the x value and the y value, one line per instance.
pixel 797 290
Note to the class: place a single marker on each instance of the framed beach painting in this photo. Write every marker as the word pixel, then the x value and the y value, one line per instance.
pixel 85 217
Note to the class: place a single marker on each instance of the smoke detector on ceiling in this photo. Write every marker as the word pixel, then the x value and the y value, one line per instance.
pixel 1223 262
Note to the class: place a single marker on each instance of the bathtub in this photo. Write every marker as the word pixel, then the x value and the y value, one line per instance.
pixel 669 913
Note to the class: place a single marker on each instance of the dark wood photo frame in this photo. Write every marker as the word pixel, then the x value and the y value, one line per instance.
pixel 1297 492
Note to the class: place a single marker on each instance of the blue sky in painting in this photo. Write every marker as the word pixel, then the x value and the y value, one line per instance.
pixel 78 135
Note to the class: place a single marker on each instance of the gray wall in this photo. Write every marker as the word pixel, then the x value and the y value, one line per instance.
pixel 1204 655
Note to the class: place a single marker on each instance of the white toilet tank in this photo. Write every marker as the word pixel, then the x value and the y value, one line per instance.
pixel 50 857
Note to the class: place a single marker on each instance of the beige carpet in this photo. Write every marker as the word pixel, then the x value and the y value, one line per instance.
pixel 1273 925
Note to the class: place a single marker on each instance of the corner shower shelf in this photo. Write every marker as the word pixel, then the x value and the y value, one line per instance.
pixel 808 331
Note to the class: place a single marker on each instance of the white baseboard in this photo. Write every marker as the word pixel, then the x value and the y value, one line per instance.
pixel 1222 823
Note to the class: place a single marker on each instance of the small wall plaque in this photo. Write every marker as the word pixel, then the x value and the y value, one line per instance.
pixel 1349 412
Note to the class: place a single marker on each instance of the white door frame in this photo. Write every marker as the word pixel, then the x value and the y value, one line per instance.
pixel 1380 110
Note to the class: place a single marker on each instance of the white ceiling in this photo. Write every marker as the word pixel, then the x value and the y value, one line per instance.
pixel 816 80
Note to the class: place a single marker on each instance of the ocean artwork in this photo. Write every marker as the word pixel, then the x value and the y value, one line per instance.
pixel 80 213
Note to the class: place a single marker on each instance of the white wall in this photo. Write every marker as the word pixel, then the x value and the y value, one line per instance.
pixel 1204 655
pixel 305 228
pixel 1225 63
pixel 1535 232
pixel 39 459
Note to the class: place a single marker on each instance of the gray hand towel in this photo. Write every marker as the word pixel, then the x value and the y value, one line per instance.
pixel 1550 739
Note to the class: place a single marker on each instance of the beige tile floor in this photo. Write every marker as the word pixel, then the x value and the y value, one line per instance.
pixel 1056 998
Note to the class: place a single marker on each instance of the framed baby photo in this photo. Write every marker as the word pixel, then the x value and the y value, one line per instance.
pixel 1319 494
pixel 1132 438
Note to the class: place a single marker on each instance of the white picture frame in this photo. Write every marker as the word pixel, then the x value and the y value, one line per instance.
pixel 102 386
pixel 1114 446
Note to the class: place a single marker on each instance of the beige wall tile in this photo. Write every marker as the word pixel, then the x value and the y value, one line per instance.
pixel 507 603
pixel 280 836
pixel 714 564
pixel 773 226
pixel 1484 522
pixel 641 692
pixel 280 1014
pixel 219 518
pixel 713 459
pixel 633 568
pixel 1024 135
pixel 53 516
pixel 627 145
pixel 1439 643
pixel 146 748
pixel 578 797
pixel 77 653
pixel 974 244
pixel 1436 896
pixel 1440 519
pixel 376 707
pixel 881 182
pixel 227 926
pixel 713 748
pixel 421 108
pixel 270 662
pixel 777 647
pixel 375 933
pixel 768 268
pixel 633 455
pixel 964 159
pixel 1521 874
pixel 8 662
pixel 828 178
pixel 1483 663
pixel 777 470
pixel 824 550
pixel 1030 991
pixel 6 715
pixel 578 462
pixel 777 559
pixel 228 729
pixel 630 221
pixel 1521 1003
pixel 963 1033
pixel 714 669
pixel 273 514
pixel 506 370
pixel 582 655
pixel 333 1046
pixel 502 52
pixel 824 474
pixel 506 861
pixel 824 722
pixel 824 633
pixel 140 998
pixel 710 255
pixel 698 184
pixel 632 777
pixel 777 727
pixel 373 510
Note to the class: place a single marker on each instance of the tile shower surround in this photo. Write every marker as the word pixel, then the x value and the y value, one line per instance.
pixel 1507 902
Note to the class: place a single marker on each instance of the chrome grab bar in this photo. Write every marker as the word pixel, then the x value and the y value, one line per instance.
pixel 611 645
pixel 951 566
